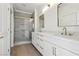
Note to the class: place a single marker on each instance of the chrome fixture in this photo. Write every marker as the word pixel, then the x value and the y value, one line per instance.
pixel 65 30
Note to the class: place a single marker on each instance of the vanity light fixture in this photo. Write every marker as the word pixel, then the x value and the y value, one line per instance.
pixel 45 8
pixel 48 6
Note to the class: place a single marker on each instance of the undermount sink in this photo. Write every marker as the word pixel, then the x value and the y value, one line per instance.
pixel 59 34
pixel 72 37
pixel 69 36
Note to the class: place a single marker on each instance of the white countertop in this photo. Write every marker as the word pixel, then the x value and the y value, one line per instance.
pixel 70 43
pixel 73 37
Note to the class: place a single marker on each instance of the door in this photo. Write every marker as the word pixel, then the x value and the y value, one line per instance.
pixel 6 28
pixel 22 30
pixel 1 39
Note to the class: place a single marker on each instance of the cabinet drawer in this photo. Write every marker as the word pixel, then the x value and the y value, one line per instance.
pixel 63 52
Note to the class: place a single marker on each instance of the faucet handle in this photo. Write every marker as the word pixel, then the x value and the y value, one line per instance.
pixel 65 30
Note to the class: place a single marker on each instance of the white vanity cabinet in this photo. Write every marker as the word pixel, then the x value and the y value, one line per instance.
pixel 34 40
pixel 51 46
pixel 51 49
pixel 37 42
pixel 48 49
pixel 44 47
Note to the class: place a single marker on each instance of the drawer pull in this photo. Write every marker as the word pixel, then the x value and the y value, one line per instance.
pixel 54 51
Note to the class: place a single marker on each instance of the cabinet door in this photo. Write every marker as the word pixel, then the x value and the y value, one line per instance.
pixel 63 52
pixel 41 44
pixel 48 49
pixel 35 41
pixel 33 38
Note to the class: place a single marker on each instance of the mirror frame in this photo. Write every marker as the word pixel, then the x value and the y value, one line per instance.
pixel 58 21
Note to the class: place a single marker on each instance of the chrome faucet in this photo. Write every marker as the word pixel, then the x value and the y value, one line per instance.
pixel 65 30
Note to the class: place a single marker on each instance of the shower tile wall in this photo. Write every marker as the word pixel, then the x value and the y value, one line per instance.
pixel 22 30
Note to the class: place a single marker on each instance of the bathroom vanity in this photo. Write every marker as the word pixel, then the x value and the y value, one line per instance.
pixel 55 44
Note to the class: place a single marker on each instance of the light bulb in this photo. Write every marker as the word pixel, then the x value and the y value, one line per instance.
pixel 45 8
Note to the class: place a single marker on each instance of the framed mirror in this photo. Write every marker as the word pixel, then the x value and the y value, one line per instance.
pixel 68 14
pixel 41 22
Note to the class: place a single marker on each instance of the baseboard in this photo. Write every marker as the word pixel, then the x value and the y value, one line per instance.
pixel 23 42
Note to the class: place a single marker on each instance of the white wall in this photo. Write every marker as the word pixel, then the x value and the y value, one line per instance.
pixel 36 20
pixel 51 19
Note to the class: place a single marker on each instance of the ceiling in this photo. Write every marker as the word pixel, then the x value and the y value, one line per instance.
pixel 29 7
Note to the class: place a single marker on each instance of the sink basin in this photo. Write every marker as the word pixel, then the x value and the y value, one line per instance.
pixel 70 36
